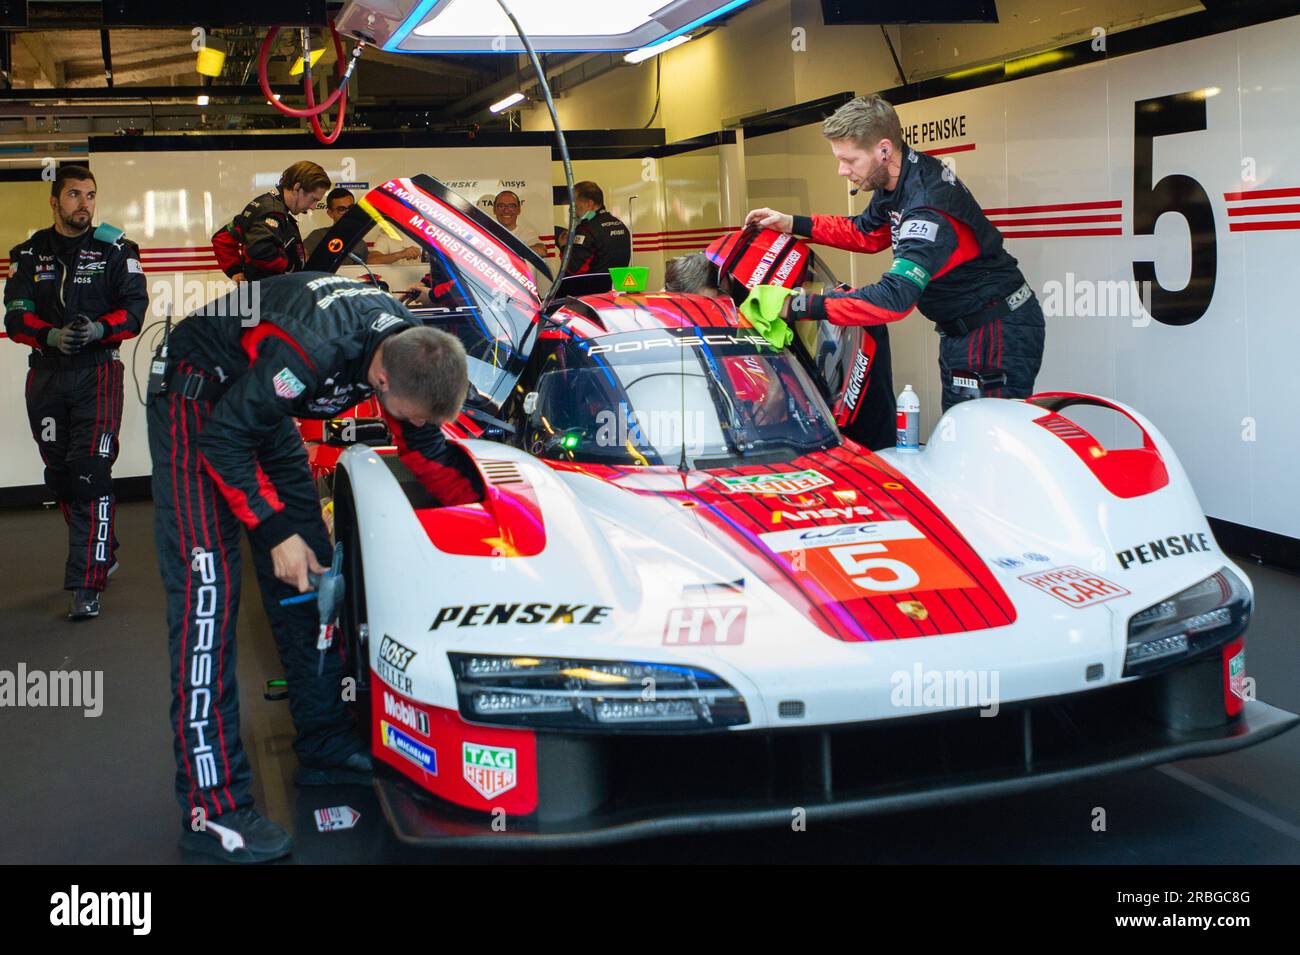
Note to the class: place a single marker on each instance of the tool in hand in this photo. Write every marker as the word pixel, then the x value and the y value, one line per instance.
pixel 328 594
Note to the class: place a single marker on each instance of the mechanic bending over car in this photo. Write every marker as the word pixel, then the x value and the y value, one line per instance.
pixel 226 452
pixel 870 420
pixel 75 293
pixel 264 239
pixel 948 258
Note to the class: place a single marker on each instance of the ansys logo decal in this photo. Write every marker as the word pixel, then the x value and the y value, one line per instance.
pixel 491 770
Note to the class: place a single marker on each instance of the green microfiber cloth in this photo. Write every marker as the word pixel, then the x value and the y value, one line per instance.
pixel 763 309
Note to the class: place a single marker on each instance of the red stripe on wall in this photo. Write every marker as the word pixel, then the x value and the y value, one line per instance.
pixel 1263 226
pixel 1263 210
pixel 1261 194
pixel 1055 233
pixel 1060 207
pixel 1057 220
pixel 965 148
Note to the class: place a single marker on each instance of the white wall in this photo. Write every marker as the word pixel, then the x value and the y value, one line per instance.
pixel 1218 387
pixel 170 203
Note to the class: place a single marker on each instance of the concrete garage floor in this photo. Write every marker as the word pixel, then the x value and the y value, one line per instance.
pixel 78 790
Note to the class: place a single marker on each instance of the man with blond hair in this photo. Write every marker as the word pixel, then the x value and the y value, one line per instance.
pixel 949 260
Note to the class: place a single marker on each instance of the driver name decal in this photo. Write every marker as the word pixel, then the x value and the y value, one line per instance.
pixel 790 482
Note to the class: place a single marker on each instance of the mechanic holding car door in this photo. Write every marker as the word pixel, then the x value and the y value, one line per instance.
pixel 226 452
pixel 948 258
pixel 264 239
pixel 74 293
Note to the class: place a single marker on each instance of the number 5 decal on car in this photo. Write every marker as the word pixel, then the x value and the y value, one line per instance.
pixel 876 568
pixel 897 575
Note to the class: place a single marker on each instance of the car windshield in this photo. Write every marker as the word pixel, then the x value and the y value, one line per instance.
pixel 693 397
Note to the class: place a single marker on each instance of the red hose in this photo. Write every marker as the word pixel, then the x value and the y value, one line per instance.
pixel 313 109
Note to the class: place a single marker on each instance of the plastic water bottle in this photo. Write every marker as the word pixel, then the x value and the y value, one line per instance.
pixel 909 421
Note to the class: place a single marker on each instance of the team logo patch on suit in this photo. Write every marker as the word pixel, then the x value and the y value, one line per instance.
pixel 287 384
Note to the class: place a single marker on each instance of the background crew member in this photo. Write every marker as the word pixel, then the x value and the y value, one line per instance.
pixel 337 203
pixel 73 295
pixel 600 241
pixel 226 452
pixel 948 258
pixel 506 206
pixel 264 239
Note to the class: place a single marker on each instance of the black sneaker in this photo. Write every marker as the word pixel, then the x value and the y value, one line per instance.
pixel 85 604
pixel 356 770
pixel 244 836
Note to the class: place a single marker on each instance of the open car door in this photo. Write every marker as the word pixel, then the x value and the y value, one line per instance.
pixel 481 279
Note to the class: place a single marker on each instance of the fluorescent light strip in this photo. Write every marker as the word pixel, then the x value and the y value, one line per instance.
pixel 417 18
pixel 646 52
pixel 506 103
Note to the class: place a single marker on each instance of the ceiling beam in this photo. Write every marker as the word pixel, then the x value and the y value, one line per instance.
pixel 38 48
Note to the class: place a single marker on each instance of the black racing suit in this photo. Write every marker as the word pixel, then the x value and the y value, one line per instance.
pixel 226 453
pixel 949 261
pixel 74 402
pixel 600 242
pixel 262 240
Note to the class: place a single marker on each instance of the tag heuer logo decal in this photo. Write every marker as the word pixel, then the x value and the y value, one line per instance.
pixel 1237 675
pixel 287 384
pixel 792 482
pixel 490 770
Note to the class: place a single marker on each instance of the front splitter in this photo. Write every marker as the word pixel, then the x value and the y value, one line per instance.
pixel 419 819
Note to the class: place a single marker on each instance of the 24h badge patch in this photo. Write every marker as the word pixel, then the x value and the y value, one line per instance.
pixel 491 770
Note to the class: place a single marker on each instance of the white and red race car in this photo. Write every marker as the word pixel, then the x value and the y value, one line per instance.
pixel 687 603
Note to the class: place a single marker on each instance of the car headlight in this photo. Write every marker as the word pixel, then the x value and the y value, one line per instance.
pixel 1205 615
pixel 601 696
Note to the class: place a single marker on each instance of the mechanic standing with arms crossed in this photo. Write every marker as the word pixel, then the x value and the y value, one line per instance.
pixel 74 293
pixel 264 239
pixel 948 258
pixel 226 452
